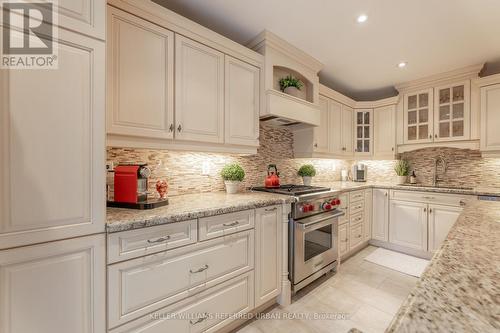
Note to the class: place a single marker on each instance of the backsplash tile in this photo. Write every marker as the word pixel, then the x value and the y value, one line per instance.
pixel 183 170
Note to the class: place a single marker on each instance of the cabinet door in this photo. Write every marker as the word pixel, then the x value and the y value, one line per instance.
pixel 344 207
pixel 267 254
pixel 380 223
pixel 441 219
pixel 347 123
pixel 343 239
pixel 199 92
pixel 367 222
pixel 363 132
pixel 490 118
pixel 384 132
pixel 408 224
pixel 54 287
pixel 418 116
pixel 140 65
pixel 336 144
pixel 452 115
pixel 321 133
pixel 356 235
pixel 242 103
pixel 52 146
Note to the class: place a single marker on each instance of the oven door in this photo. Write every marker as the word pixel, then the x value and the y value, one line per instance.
pixel 315 244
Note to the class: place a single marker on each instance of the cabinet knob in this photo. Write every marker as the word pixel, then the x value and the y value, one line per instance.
pixel 430 136
pixel 392 148
pixel 425 209
pixel 315 145
pixel 436 136
pixel 179 128
pixel 171 128
pixel 385 193
pixel 430 210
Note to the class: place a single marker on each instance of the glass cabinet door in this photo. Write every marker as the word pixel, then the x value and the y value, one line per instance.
pixel 418 116
pixel 452 105
pixel 363 131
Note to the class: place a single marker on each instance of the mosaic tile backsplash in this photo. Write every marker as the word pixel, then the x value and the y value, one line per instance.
pixel 183 170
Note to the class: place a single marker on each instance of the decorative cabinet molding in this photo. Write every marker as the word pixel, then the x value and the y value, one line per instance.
pixel 140 77
pixel 199 92
pixel 53 146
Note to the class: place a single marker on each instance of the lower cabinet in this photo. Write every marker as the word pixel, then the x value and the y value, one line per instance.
pixel 208 311
pixel 408 224
pixel 54 287
pixel 356 235
pixel 441 219
pixel 367 223
pixel 380 223
pixel 268 256
pixel 343 239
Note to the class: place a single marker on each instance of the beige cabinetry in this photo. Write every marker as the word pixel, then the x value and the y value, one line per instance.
pixel 490 118
pixel 380 223
pixel 384 132
pixel 418 116
pixel 322 132
pixel 441 219
pixel 368 215
pixel 347 125
pixel 140 67
pixel 363 132
pixel 408 224
pixel 452 112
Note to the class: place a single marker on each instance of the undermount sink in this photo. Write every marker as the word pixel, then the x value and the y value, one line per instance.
pixel 441 187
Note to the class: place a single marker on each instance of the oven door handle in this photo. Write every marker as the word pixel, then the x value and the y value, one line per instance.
pixel 318 221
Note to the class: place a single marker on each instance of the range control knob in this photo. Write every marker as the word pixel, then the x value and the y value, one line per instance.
pixel 327 206
pixel 337 202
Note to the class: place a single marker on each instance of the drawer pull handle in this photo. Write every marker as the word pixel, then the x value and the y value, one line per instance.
pixel 199 270
pixel 270 209
pixel 159 240
pixel 462 203
pixel 232 224
pixel 199 320
pixel 428 198
pixel 359 236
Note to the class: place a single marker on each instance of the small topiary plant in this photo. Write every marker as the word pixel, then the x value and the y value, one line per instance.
pixel 290 81
pixel 233 172
pixel 402 168
pixel 307 170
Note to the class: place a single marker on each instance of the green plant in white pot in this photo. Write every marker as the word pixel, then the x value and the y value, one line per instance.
pixel 290 85
pixel 233 174
pixel 307 171
pixel 402 169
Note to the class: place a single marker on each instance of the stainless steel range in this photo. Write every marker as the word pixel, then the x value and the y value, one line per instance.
pixel 312 248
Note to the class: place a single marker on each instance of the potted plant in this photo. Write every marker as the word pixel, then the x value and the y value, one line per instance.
pixel 307 171
pixel 290 85
pixel 232 174
pixel 402 169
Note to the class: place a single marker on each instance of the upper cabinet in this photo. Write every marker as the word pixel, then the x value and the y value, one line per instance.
pixel 384 133
pixel 199 92
pixel 363 132
pixel 140 77
pixel 452 112
pixel 418 116
pixel 173 84
pixel 322 132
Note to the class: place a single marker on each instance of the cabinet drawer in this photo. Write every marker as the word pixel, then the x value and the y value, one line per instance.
pixel 135 243
pixel 220 225
pixel 430 197
pixel 356 235
pixel 356 196
pixel 201 313
pixel 139 286
pixel 357 218
pixel 356 207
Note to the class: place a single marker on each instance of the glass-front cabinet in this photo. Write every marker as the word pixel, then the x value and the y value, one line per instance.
pixel 363 132
pixel 418 111
pixel 452 112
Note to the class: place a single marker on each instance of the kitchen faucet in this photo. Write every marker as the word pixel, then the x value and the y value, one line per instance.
pixel 436 163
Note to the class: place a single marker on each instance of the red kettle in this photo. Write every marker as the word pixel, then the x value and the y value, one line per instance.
pixel 272 179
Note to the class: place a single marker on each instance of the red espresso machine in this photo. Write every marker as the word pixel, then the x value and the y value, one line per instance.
pixel 131 188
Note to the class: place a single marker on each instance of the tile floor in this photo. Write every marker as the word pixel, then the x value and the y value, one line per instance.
pixel 369 295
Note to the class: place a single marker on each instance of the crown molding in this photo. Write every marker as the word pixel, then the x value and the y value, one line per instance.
pixel 487 80
pixel 333 94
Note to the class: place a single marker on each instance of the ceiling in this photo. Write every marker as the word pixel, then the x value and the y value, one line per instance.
pixel 360 60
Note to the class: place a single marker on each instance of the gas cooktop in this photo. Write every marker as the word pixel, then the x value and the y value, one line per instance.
pixel 291 189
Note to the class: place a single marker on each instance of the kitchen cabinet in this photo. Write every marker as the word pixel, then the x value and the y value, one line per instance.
pixel 408 224
pixel 356 235
pixel 452 112
pixel 490 118
pixel 199 92
pixel 363 132
pixel 441 219
pixel 54 287
pixel 52 150
pixel 242 102
pixel 140 85
pixel 268 256
pixel 384 132
pixel 380 223
pixel 335 125
pixel 344 207
pixel 322 132
pixel 418 113
pixel 343 239
pixel 368 215
pixel 347 125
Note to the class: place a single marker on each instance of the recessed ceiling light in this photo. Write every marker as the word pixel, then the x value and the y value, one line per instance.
pixel 362 18
pixel 402 64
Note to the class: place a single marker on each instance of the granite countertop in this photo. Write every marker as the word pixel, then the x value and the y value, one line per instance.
pixel 460 289
pixel 190 206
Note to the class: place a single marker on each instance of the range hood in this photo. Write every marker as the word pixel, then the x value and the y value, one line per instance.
pixel 282 59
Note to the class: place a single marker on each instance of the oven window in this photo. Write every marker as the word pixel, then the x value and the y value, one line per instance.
pixel 317 241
